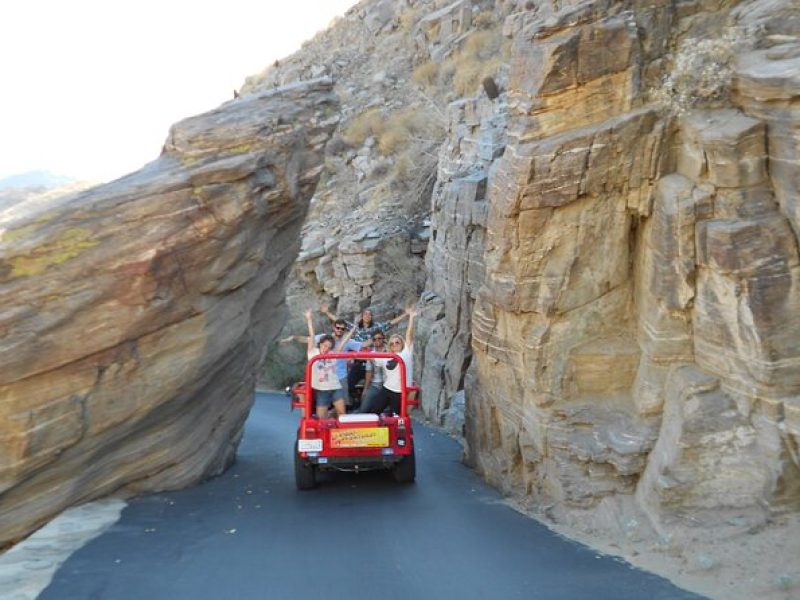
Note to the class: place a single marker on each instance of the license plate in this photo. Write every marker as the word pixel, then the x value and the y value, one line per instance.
pixel 309 445
pixel 362 437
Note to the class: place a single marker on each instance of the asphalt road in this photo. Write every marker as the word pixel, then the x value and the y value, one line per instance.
pixel 250 534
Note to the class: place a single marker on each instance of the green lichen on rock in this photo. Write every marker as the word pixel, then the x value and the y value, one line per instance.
pixel 240 149
pixel 66 246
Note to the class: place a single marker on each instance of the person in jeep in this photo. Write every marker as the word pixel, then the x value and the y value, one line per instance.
pixel 390 394
pixel 324 377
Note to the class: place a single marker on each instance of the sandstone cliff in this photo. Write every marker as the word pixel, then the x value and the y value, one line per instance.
pixel 134 315
pixel 635 331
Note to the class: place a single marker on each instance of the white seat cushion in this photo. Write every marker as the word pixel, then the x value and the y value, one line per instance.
pixel 359 418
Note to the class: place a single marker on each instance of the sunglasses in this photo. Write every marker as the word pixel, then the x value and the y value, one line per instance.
pixel 339 328
pixel 391 342
pixel 378 339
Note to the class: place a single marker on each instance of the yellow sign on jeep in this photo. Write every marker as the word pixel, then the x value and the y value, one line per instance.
pixel 362 437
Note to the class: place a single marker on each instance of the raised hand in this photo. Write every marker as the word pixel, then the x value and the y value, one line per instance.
pixel 310 324
pixel 411 311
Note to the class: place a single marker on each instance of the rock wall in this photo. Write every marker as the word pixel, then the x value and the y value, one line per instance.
pixel 625 271
pixel 554 322
pixel 134 315
pixel 454 261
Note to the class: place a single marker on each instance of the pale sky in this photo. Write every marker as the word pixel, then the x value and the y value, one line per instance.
pixel 89 88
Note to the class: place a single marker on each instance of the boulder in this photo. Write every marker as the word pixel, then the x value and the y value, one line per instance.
pixel 134 315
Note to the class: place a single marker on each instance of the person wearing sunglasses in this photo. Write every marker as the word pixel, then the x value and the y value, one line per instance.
pixel 324 377
pixel 390 394
pixel 348 345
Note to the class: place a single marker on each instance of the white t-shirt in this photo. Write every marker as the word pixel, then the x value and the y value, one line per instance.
pixel 392 380
pixel 341 365
pixel 323 373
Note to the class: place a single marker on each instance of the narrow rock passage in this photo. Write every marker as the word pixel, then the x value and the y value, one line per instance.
pixel 250 534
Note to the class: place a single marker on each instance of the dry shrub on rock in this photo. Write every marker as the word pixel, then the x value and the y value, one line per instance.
pixel 484 20
pixel 426 74
pixel 404 126
pixel 408 18
pixel 483 53
pixel 369 123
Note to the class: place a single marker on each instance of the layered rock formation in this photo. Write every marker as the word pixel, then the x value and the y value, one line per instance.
pixel 455 257
pixel 134 315
pixel 632 289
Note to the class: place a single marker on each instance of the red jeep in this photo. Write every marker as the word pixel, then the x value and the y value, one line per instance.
pixel 353 442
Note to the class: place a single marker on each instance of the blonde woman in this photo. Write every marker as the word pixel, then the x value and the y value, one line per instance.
pixel 391 393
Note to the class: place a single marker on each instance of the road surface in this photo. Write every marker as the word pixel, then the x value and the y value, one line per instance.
pixel 251 534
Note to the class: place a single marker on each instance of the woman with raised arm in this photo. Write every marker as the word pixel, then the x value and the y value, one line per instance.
pixel 324 381
pixel 391 393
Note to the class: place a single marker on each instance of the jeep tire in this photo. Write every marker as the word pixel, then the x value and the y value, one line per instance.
pixel 406 470
pixel 305 476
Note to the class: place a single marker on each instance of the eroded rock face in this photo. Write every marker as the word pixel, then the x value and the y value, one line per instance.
pixel 454 260
pixel 134 315
pixel 440 28
pixel 632 298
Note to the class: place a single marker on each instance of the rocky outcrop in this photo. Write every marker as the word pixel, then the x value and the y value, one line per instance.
pixel 367 231
pixel 454 261
pixel 439 31
pixel 609 296
pixel 134 315
pixel 623 262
